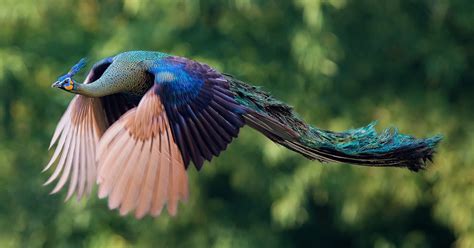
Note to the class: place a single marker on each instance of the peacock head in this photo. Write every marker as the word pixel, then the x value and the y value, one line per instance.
pixel 66 82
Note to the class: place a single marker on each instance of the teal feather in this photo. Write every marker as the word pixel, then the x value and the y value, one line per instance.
pixel 367 140
pixel 361 146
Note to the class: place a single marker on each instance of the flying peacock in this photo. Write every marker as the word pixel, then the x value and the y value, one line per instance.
pixel 140 118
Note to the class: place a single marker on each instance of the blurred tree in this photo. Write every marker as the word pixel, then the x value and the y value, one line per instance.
pixel 341 63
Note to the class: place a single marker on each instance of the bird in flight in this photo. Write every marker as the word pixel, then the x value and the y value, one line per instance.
pixel 140 118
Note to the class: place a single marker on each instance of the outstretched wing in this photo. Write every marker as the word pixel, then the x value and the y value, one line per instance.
pixel 203 114
pixel 140 166
pixel 77 135
pixel 188 115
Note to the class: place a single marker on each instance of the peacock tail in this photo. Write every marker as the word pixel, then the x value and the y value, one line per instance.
pixel 361 146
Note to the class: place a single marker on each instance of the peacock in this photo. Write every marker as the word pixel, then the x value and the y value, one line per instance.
pixel 140 118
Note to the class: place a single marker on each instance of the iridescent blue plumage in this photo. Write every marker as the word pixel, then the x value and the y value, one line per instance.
pixel 179 85
pixel 202 110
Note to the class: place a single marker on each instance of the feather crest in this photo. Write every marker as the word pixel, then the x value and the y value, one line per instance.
pixel 74 70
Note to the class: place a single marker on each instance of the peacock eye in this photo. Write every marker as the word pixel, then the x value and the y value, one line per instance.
pixel 68 85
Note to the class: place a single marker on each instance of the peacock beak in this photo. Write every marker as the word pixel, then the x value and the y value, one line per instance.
pixel 56 84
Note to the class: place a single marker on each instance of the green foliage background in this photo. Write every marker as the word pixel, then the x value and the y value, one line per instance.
pixel 341 64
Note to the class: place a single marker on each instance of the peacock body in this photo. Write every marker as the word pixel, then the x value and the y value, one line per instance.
pixel 140 118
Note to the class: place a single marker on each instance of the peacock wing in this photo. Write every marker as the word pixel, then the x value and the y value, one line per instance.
pixel 188 115
pixel 140 166
pixel 76 137
pixel 203 114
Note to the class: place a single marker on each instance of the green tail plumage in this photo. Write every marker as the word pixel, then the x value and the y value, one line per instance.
pixel 362 146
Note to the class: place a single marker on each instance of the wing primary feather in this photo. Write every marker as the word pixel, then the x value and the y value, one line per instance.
pixel 156 186
pixel 230 130
pixel 78 168
pixel 115 146
pixel 198 141
pixel 181 136
pixel 112 135
pixel 161 181
pixel 62 160
pixel 60 127
pixel 108 168
pixel 75 161
pixel 180 168
pixel 205 129
pixel 173 189
pixel 131 197
pixel 184 149
pixel 83 155
pixel 201 103
pixel 219 130
pixel 236 120
pixel 59 149
pixel 120 186
pixel 227 102
pixel 223 90
pixel 82 169
pixel 91 161
pixel 176 169
pixel 67 168
pixel 189 140
pixel 221 82
pixel 122 146
pixel 146 193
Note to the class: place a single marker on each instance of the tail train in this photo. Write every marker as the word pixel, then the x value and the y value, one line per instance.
pixel 362 146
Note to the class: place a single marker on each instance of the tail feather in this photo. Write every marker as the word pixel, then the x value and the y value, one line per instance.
pixel 362 146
